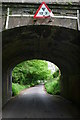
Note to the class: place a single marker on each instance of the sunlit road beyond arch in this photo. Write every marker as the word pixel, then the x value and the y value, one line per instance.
pixel 36 103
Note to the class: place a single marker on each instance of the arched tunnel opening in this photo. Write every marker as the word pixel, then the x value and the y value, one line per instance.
pixel 36 72
pixel 58 45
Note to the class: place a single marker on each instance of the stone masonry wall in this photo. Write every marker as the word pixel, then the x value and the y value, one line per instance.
pixel 25 9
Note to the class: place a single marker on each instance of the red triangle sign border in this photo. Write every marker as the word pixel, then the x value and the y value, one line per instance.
pixel 35 16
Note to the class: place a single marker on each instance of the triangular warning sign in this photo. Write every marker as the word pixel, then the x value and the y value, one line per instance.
pixel 43 11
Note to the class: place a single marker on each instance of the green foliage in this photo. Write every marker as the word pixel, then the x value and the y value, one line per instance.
pixel 33 72
pixel 56 74
pixel 29 72
pixel 16 88
pixel 53 86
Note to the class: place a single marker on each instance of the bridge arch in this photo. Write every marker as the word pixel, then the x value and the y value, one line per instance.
pixel 53 43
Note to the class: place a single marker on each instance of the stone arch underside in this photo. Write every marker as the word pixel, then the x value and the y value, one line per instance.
pixel 55 44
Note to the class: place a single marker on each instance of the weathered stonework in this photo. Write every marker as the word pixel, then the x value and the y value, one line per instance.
pixel 54 40
pixel 58 45
pixel 39 1
pixel 30 9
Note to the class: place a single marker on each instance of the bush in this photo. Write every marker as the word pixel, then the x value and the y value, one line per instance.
pixel 16 88
pixel 53 86
pixel 56 74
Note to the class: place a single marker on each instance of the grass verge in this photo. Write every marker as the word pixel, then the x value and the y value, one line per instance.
pixel 17 88
pixel 53 87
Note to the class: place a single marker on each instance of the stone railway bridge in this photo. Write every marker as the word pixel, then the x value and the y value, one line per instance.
pixel 54 39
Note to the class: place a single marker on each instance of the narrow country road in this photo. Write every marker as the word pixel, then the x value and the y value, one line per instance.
pixel 36 103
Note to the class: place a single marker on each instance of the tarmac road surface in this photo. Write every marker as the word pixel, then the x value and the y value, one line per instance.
pixel 34 102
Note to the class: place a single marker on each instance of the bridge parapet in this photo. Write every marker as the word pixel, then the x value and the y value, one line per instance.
pixel 20 14
pixel 47 1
